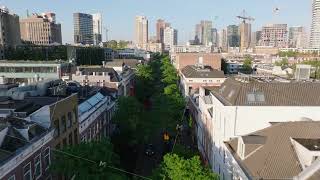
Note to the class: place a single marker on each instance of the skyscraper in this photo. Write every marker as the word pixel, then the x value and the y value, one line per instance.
pixel 83 28
pixel 245 36
pixel 297 37
pixel 41 29
pixel 97 28
pixel 170 37
pixel 141 32
pixel 315 26
pixel 160 26
pixel 233 36
pixel 214 37
pixel 274 35
pixel 198 34
pixel 203 33
pixel 206 37
pixel 223 40
pixel 9 30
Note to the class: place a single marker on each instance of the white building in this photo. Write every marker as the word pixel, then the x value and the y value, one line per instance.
pixel 141 32
pixel 286 150
pixel 170 38
pixel 241 107
pixel 34 71
pixel 192 77
pixel 315 27
pixel 297 37
pixel 191 49
pixel 97 28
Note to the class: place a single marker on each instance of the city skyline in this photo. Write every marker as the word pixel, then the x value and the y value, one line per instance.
pixel 184 21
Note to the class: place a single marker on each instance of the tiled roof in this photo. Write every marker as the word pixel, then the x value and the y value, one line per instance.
pixel 277 158
pixel 254 93
pixel 191 71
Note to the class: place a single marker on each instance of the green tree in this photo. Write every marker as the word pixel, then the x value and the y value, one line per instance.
pixel 284 62
pixel 175 167
pixel 129 117
pixel 247 64
pixel 89 160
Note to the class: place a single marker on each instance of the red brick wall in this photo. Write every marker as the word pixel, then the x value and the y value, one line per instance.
pixel 210 59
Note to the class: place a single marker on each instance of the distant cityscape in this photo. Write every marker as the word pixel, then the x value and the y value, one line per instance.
pixel 229 104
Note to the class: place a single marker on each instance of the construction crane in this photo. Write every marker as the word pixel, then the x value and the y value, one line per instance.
pixel 244 17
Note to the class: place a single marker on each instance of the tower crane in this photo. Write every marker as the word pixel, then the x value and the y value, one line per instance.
pixel 244 17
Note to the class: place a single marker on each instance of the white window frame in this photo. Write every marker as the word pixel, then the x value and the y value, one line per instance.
pixel 49 156
pixel 35 166
pixel 29 164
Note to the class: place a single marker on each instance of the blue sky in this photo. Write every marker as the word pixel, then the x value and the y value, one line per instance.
pixel 118 15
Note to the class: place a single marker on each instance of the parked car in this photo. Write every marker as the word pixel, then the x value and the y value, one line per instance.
pixel 149 151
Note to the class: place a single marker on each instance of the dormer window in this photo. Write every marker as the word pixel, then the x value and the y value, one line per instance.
pixel 255 97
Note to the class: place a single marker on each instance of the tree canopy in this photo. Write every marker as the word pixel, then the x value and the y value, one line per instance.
pixel 284 62
pixel 175 167
pixel 88 160
pixel 247 65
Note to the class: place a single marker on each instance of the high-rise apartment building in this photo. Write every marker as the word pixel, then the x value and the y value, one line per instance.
pixel 97 28
pixel 198 34
pixel 83 28
pixel 170 38
pixel 206 38
pixel 160 26
pixel 315 26
pixel 203 33
pixel 297 37
pixel 275 35
pixel 257 35
pixel 9 30
pixel 41 29
pixel 141 32
pixel 233 36
pixel 245 36
pixel 214 37
pixel 223 40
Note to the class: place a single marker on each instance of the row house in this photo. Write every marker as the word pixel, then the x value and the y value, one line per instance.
pixel 288 150
pixel 95 115
pixel 192 77
pixel 239 107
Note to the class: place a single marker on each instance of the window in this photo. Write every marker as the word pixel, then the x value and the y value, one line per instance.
pixel 56 128
pixel 27 175
pixel 75 133
pixel 63 124
pixel 70 139
pixel 47 159
pixel 69 120
pixel 74 115
pixel 255 97
pixel 13 177
pixel 37 167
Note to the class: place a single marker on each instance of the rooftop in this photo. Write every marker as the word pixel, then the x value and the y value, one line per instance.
pixel 14 138
pixel 254 93
pixel 192 71
pixel 132 63
pixel 272 155
pixel 32 62
pixel 114 77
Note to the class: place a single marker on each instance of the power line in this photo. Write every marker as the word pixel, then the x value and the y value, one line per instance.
pixel 101 163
